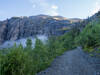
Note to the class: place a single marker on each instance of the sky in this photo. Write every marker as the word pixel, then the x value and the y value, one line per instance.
pixel 67 8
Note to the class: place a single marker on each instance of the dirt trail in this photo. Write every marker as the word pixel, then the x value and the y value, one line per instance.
pixel 71 63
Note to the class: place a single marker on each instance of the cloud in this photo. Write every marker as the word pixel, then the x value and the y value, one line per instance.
pixel 44 7
pixel 96 7
pixel 54 7
pixel 53 10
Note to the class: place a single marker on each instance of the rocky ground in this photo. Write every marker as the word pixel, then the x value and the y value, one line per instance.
pixel 74 62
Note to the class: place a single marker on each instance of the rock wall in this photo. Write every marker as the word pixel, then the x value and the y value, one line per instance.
pixel 22 27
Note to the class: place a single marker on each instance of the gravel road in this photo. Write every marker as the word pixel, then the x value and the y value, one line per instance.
pixel 72 62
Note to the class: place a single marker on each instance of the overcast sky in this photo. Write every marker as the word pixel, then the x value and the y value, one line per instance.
pixel 66 8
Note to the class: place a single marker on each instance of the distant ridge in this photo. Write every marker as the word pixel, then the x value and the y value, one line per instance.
pixel 22 27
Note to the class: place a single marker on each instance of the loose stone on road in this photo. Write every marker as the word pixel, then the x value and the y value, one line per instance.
pixel 70 63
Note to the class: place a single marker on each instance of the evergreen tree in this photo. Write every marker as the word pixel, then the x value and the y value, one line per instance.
pixel 29 43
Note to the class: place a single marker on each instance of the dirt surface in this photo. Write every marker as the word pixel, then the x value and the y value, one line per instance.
pixel 74 62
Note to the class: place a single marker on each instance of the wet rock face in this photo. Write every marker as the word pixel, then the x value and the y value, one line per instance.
pixel 22 27
pixel 3 31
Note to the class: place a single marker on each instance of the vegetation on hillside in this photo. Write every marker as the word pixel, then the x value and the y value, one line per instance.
pixel 28 61
pixel 89 38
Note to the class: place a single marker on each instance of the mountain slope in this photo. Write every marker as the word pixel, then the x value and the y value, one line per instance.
pixel 22 27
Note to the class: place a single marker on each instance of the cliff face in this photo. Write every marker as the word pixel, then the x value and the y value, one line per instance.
pixel 22 27
pixel 3 31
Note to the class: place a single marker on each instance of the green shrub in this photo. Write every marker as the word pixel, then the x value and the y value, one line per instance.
pixel 16 62
pixel 29 44
pixel 28 60
pixel 89 38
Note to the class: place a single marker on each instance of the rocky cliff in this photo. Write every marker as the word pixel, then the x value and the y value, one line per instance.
pixel 22 27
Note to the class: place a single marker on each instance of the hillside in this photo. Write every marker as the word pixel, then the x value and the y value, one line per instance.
pixel 21 27
pixel 84 60
pixel 82 37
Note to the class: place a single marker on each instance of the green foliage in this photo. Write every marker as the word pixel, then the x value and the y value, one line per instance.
pixel 40 55
pixel 68 39
pixel 55 47
pixel 88 49
pixel 91 55
pixel 89 38
pixel 28 61
pixel 16 62
pixel 29 43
